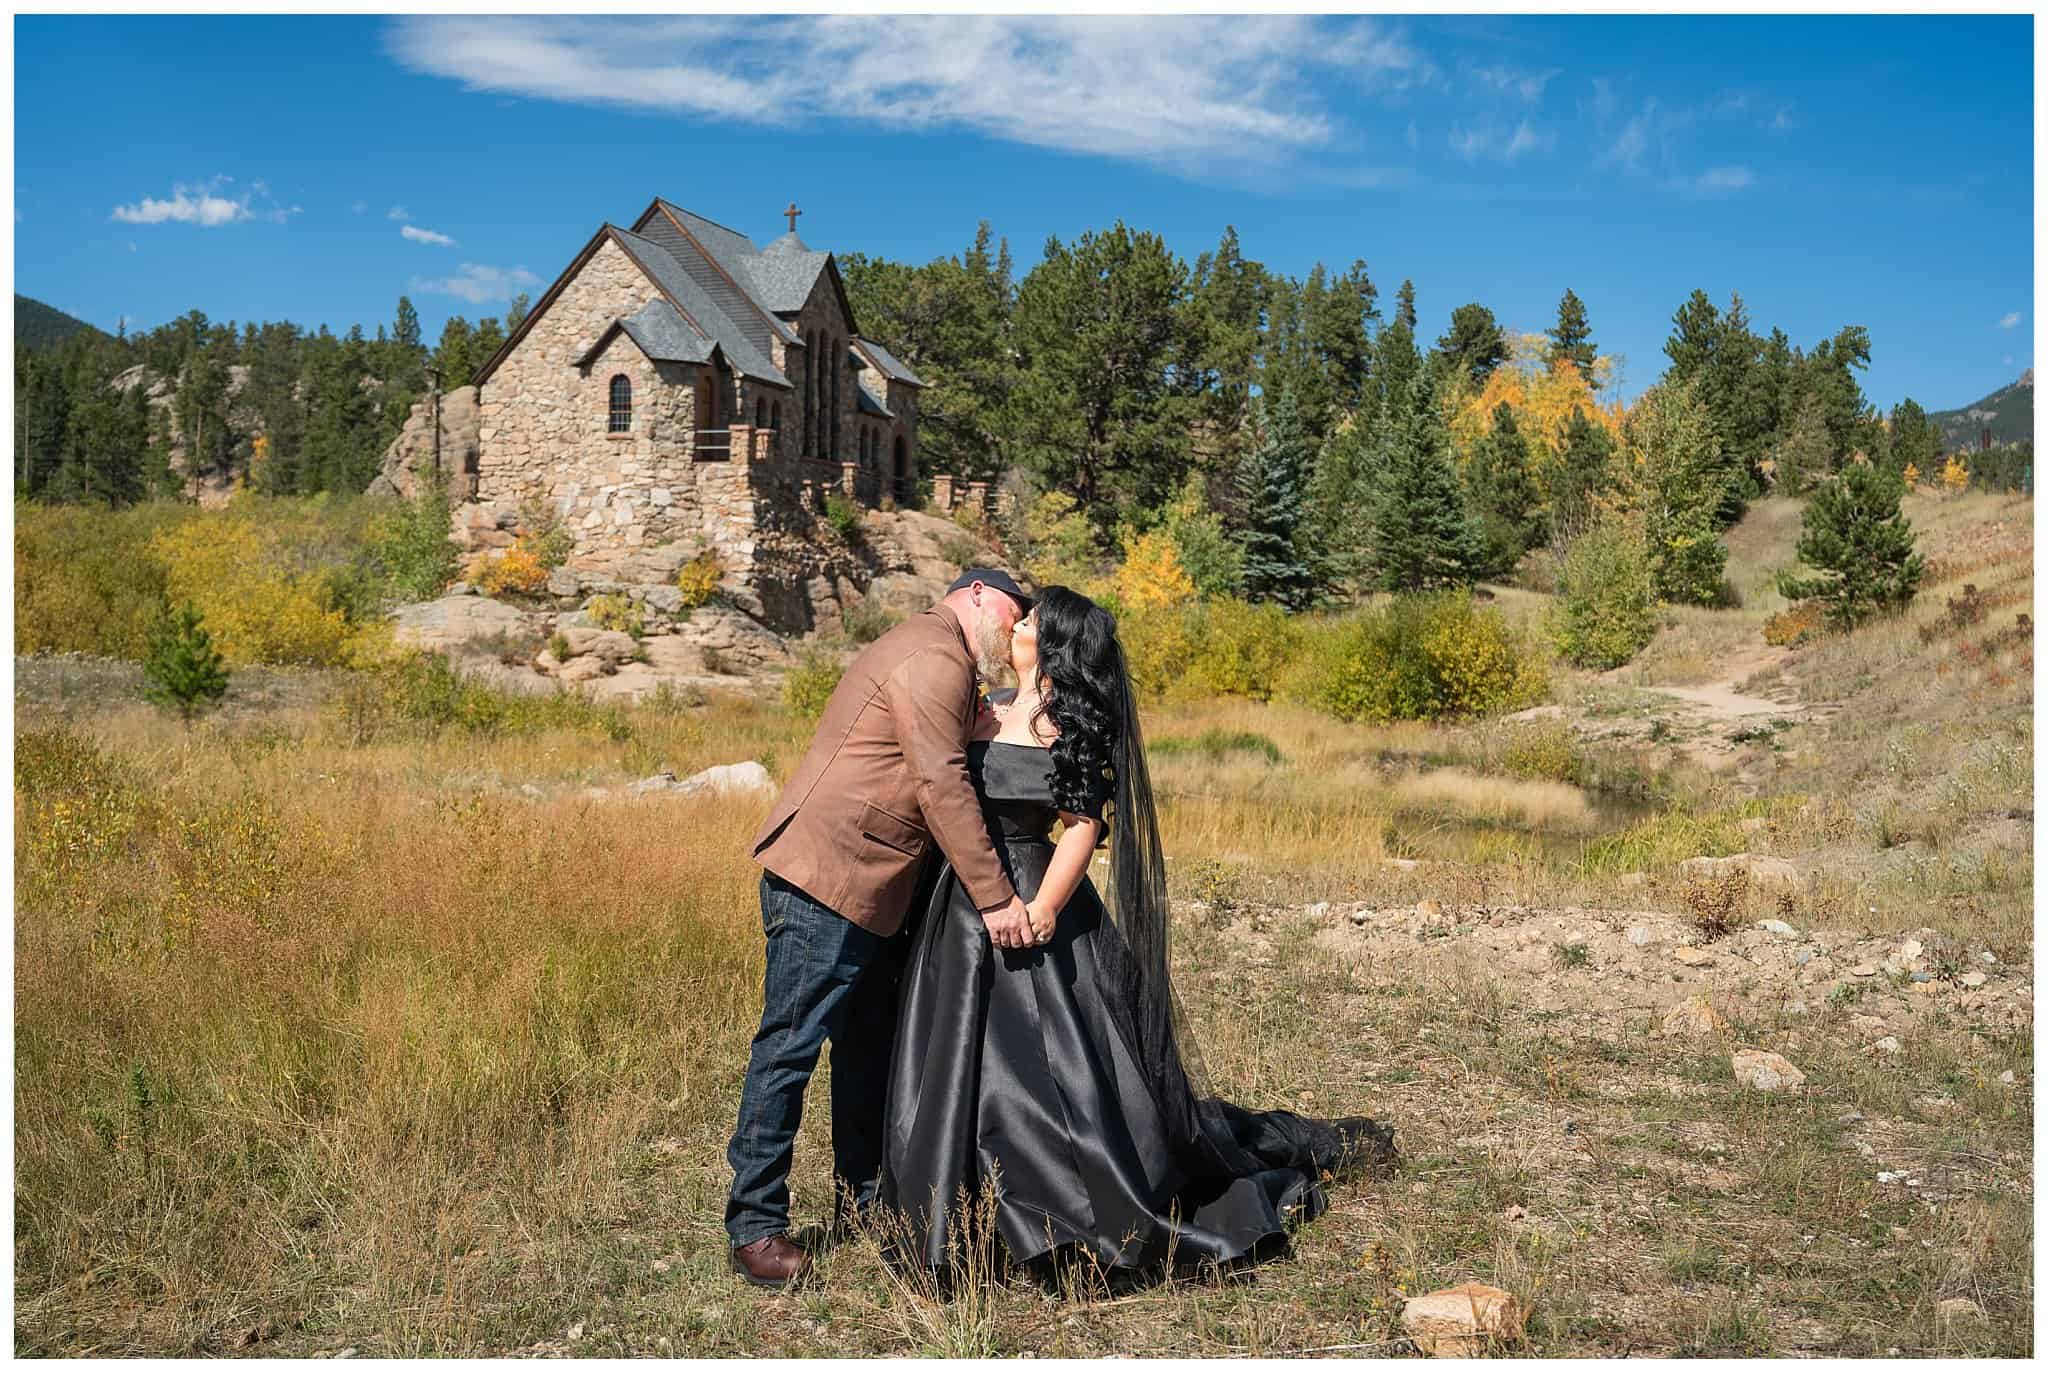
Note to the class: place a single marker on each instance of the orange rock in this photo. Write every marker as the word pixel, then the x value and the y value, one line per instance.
pixel 1459 1322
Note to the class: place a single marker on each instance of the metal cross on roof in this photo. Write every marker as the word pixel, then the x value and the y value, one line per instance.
pixel 792 212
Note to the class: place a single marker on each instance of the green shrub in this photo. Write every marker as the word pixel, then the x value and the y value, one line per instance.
pixel 1862 548
pixel 869 620
pixel 1543 749
pixel 1423 657
pixel 698 578
pixel 543 535
pixel 422 694
pixel 1240 649
pixel 811 682
pixel 1604 614
pixel 844 516
pixel 411 543
pixel 616 612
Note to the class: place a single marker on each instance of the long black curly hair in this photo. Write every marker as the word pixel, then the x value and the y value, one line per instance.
pixel 1080 669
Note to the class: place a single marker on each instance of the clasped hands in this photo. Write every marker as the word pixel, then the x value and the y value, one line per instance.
pixel 1021 925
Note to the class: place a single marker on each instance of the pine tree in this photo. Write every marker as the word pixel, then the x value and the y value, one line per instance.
pixel 186 672
pixel 405 332
pixel 1805 453
pixel 1474 345
pixel 1915 439
pixel 1273 484
pixel 1571 339
pixel 1341 497
pixel 1404 307
pixel 1581 477
pixel 1860 546
pixel 1423 537
pixel 1503 494
pixel 516 312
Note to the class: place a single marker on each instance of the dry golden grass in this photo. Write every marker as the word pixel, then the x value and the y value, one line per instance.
pixel 324 1046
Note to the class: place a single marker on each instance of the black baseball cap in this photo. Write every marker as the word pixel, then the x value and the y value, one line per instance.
pixel 995 577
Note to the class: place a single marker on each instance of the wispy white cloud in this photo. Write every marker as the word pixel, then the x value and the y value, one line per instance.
pixel 210 205
pixel 397 212
pixel 478 284
pixel 1186 92
pixel 1489 139
pixel 1715 179
pixel 419 235
pixel 2010 320
pixel 1525 84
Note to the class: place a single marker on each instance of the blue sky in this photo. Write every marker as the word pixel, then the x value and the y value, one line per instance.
pixel 1875 171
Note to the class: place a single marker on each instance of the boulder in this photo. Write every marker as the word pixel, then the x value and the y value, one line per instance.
pixel 729 779
pixel 1459 1322
pixel 581 669
pixel 1763 1071
pixel 412 452
pixel 1695 1016
pixel 1765 873
pixel 612 645
pixel 1691 957
pixel 452 621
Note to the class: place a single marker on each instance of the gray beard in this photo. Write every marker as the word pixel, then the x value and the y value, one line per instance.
pixel 989 658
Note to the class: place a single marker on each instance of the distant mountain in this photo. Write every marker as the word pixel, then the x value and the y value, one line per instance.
pixel 2008 413
pixel 43 326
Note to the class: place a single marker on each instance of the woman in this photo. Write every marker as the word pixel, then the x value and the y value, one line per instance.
pixel 1059 1076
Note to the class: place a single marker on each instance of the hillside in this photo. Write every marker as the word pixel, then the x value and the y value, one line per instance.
pixel 2007 412
pixel 43 326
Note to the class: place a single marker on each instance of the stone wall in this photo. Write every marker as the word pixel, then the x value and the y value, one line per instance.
pixel 544 433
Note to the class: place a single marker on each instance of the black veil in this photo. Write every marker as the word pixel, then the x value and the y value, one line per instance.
pixel 1212 1138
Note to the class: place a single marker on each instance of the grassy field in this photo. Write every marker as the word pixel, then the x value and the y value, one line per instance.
pixel 332 1037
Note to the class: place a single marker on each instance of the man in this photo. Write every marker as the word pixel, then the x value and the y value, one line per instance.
pixel 886 775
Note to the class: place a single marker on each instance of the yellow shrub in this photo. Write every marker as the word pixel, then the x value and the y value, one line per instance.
pixel 1912 475
pixel 615 612
pixel 257 609
pixel 517 572
pixel 698 578
pixel 1157 648
pixel 1150 576
pixel 1955 474
pixel 1240 649
pixel 1796 625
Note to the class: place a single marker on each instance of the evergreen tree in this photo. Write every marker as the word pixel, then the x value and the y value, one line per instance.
pixel 1273 485
pixel 1423 537
pixel 1806 452
pixel 1227 306
pixel 457 354
pixel 1338 327
pixel 1404 307
pixel 1571 338
pixel 1583 474
pixel 1860 546
pixel 515 314
pixel 1096 412
pixel 1915 439
pixel 1474 345
pixel 1503 494
pixel 1341 497
pixel 405 332
pixel 186 672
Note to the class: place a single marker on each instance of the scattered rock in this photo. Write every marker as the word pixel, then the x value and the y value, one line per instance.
pixel 452 621
pixel 728 778
pixel 1972 979
pixel 1402 864
pixel 1514 1214
pixel 1777 927
pixel 1988 956
pixel 1696 1016
pixel 1429 908
pixel 1888 1045
pixel 581 669
pixel 1765 1071
pixel 1317 910
pixel 1691 957
pixel 1864 970
pixel 1632 880
pixel 1459 1322
pixel 1639 935
pixel 576 1331
pixel 2006 1077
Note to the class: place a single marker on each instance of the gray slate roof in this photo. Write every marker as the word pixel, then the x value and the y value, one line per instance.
pixel 869 405
pixel 891 367
pixel 739 344
pixel 779 277
pixel 665 336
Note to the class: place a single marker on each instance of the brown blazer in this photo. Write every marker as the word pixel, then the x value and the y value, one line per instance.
pixel 885 775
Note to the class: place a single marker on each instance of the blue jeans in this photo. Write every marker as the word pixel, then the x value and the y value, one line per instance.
pixel 827 978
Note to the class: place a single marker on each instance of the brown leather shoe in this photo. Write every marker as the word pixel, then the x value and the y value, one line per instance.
pixel 771 1262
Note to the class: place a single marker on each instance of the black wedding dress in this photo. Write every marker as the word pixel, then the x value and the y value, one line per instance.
pixel 1029 1069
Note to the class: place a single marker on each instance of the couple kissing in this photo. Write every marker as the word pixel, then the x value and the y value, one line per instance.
pixel 996 1023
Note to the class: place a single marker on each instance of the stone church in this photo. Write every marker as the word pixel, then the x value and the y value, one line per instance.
pixel 679 389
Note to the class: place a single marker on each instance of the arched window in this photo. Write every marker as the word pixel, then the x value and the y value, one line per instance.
pixel 760 414
pixel 775 416
pixel 622 405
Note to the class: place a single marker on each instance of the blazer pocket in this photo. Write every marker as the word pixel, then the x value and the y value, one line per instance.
pixel 893 830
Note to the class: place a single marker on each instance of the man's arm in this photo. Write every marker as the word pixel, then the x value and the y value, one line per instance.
pixel 929 697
